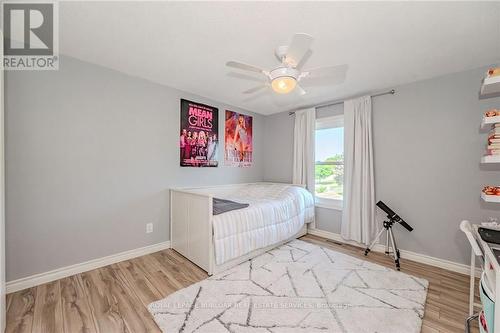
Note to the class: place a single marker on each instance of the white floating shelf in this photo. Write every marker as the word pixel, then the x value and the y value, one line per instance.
pixel 490 159
pixel 488 121
pixel 491 85
pixel 490 198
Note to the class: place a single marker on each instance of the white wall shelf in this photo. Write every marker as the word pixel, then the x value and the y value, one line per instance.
pixel 490 159
pixel 488 121
pixel 491 85
pixel 490 198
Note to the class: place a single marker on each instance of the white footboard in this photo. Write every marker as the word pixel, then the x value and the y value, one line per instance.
pixel 191 227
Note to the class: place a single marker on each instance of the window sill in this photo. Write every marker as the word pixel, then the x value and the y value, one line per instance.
pixel 332 207
pixel 328 203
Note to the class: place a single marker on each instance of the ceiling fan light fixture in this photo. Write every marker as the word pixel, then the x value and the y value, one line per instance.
pixel 286 78
pixel 284 84
pixel 283 79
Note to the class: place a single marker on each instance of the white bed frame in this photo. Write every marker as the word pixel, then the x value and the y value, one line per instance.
pixel 191 231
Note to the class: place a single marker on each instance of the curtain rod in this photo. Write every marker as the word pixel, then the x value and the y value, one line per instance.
pixel 390 92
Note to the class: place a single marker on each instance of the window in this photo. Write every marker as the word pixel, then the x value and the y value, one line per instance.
pixel 329 165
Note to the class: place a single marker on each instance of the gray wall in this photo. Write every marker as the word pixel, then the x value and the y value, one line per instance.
pixel 90 155
pixel 427 147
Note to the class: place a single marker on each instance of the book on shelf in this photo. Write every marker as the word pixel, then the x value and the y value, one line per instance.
pixel 490 152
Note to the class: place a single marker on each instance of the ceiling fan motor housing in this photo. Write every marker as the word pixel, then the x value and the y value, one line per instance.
pixel 284 72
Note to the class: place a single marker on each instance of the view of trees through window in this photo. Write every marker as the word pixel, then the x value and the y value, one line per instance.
pixel 329 169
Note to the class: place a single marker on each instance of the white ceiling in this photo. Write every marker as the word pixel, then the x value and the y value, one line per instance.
pixel 185 45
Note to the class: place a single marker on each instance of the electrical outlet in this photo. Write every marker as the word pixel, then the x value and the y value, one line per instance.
pixel 149 228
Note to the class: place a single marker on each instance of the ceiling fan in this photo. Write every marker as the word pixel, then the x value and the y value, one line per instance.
pixel 286 77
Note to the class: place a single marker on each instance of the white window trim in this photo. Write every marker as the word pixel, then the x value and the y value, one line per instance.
pixel 323 123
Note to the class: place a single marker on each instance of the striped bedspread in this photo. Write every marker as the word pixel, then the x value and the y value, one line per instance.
pixel 276 213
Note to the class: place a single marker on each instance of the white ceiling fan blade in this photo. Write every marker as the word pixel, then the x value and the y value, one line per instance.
pixel 339 70
pixel 300 90
pixel 321 81
pixel 245 77
pixel 324 76
pixel 245 67
pixel 254 89
pixel 257 96
pixel 298 48
pixel 304 59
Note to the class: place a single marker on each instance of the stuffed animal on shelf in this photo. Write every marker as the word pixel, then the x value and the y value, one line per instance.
pixel 492 113
pixel 493 72
pixel 491 190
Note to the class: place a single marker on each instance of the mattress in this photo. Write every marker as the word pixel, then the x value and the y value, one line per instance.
pixel 276 212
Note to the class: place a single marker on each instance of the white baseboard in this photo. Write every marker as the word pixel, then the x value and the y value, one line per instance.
pixel 421 258
pixel 59 273
pixel 56 274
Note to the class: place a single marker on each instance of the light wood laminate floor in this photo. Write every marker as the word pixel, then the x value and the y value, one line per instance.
pixel 114 298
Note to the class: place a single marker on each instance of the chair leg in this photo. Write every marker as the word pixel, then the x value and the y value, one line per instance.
pixel 468 320
pixel 472 280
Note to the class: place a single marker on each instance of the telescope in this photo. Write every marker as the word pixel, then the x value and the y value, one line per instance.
pixel 392 218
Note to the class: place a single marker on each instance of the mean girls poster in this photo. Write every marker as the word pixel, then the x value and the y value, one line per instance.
pixel 199 134
pixel 238 139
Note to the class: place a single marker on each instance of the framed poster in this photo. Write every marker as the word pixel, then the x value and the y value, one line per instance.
pixel 199 134
pixel 238 136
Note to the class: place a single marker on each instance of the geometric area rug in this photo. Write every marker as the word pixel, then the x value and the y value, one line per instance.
pixel 298 287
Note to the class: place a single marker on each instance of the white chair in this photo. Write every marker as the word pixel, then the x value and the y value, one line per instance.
pixel 476 251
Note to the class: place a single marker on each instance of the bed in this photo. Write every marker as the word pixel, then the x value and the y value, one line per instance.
pixel 276 214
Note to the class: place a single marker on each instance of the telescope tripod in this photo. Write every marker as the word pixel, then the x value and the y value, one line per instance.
pixel 389 236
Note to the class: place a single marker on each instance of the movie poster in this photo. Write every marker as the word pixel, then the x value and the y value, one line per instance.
pixel 238 139
pixel 199 134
